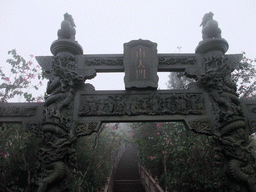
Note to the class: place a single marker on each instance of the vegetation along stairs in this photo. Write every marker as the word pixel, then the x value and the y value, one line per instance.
pixel 127 176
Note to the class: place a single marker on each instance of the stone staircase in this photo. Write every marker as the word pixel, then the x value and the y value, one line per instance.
pixel 127 177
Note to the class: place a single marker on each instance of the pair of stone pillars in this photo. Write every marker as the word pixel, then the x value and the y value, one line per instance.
pixel 57 156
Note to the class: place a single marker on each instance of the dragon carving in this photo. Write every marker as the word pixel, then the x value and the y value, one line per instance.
pixel 57 156
pixel 229 123
pixel 222 90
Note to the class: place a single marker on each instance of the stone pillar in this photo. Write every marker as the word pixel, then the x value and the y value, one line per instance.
pixel 228 122
pixel 57 157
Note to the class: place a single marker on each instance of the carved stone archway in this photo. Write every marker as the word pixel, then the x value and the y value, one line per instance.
pixel 73 109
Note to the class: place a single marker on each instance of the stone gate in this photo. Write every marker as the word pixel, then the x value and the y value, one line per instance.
pixel 74 108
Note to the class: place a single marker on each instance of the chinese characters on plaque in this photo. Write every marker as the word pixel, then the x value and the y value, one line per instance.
pixel 140 65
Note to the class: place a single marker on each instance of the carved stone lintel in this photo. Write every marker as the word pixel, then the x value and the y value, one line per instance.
pixel 104 60
pixel 17 111
pixel 146 103
pixel 174 60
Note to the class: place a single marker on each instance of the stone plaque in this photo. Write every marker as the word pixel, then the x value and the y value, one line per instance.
pixel 140 65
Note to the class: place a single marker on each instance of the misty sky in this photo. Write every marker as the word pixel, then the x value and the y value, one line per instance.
pixel 103 26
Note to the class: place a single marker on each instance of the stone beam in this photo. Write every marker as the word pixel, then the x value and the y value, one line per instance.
pixel 142 106
pixel 114 62
pixel 94 106
pixel 21 112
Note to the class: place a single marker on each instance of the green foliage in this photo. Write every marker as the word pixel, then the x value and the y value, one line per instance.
pixel 244 76
pixel 23 76
pixel 182 160
pixel 96 154
pixel 18 148
pixel 177 80
pixel 18 151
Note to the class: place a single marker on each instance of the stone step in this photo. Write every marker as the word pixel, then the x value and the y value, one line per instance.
pixel 127 178
pixel 128 186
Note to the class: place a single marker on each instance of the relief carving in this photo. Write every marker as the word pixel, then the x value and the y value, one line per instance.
pixel 109 61
pixel 252 124
pixel 148 104
pixel 174 60
pixel 17 111
pixel 222 91
pixel 228 121
pixel 57 157
pixel 201 126
pixel 85 129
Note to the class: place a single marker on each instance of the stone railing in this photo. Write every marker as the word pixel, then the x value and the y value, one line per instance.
pixel 111 179
pixel 150 184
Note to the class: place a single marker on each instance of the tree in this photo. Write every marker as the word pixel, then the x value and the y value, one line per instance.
pixel 178 81
pixel 181 159
pixel 18 151
pixel 96 155
pixel 18 148
pixel 23 76
pixel 244 76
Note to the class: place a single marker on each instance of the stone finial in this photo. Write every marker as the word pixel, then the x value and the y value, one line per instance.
pixel 210 27
pixel 67 30
pixel 66 42
pixel 212 40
